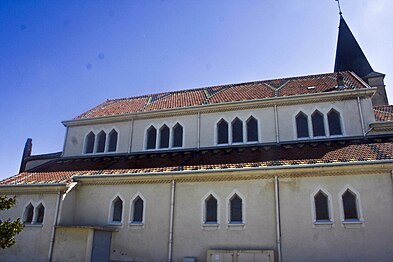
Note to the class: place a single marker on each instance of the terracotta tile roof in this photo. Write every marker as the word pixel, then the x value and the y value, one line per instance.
pixel 225 93
pixel 307 153
pixel 383 113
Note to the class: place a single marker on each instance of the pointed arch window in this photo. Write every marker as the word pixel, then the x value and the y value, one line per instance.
pixel 164 136
pixel 117 209
pixel 112 141
pixel 222 132
pixel 334 123
pixel 236 212
pixel 151 136
pixel 40 210
pixel 237 131
pixel 302 125
pixel 318 126
pixel 321 207
pixel 137 210
pixel 252 129
pixel 177 135
pixel 101 142
pixel 90 139
pixel 28 215
pixel 350 205
pixel 211 210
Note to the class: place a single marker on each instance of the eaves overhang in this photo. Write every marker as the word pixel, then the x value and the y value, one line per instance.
pixel 228 106
pixel 309 170
pixel 27 189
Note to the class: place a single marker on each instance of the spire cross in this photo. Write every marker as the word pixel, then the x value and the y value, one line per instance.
pixel 339 7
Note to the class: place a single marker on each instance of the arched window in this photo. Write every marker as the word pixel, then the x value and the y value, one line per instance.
pixel 211 210
pixel 28 215
pixel 89 147
pixel 137 210
pixel 350 205
pixel 112 141
pixel 117 210
pixel 236 213
pixel 252 130
pixel 321 206
pixel 237 131
pixel 222 132
pixel 101 142
pixel 151 136
pixel 302 125
pixel 334 123
pixel 164 136
pixel 318 127
pixel 40 210
pixel 177 135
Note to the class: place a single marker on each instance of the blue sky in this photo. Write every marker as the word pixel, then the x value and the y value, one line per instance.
pixel 60 58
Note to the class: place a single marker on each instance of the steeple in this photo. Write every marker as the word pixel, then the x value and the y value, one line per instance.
pixel 350 57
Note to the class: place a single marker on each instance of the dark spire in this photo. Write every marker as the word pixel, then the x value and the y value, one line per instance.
pixel 349 55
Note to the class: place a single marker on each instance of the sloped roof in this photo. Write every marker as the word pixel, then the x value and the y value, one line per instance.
pixel 225 93
pixel 383 113
pixel 349 55
pixel 306 154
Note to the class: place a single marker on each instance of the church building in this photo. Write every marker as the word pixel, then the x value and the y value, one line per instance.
pixel 290 169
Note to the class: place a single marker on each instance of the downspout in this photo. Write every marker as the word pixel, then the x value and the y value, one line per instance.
pixel 52 238
pixel 199 130
pixel 361 117
pixel 276 124
pixel 278 220
pixel 131 133
pixel 172 209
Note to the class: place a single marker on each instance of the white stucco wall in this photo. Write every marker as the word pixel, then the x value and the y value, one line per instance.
pixel 149 243
pixel 32 244
pixel 76 135
pixel 191 239
pixel 188 122
pixel 348 109
pixel 370 241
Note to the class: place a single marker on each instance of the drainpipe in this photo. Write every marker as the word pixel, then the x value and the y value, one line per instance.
pixel 276 124
pixel 52 238
pixel 361 117
pixel 130 136
pixel 172 209
pixel 199 130
pixel 278 221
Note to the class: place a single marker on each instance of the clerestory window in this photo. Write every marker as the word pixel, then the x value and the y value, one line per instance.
pixel 302 125
pixel 40 210
pixel 101 137
pixel 177 135
pixel 112 141
pixel 252 129
pixel 237 131
pixel 321 207
pixel 222 132
pixel 318 126
pixel 89 146
pixel 164 136
pixel 334 123
pixel 151 136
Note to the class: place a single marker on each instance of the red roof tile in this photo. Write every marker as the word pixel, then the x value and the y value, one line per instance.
pixel 383 113
pixel 308 153
pixel 226 93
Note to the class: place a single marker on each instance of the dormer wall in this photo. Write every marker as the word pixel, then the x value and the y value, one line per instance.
pixel 200 128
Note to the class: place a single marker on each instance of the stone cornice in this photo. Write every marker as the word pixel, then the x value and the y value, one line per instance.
pixel 333 169
pixel 32 189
